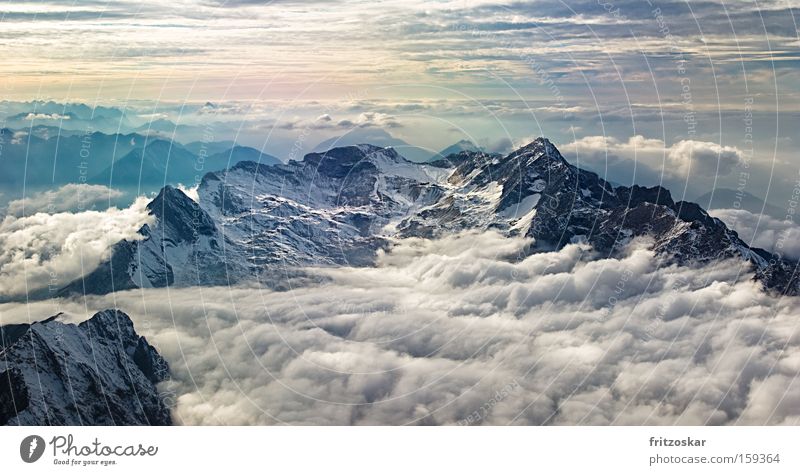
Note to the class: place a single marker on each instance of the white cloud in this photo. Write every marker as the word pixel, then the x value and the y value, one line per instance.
pixel 439 327
pixel 33 116
pixel 18 136
pixel 153 116
pixel 704 158
pixel 70 197
pixel 191 192
pixel 376 119
pixel 778 236
pixel 50 250
pixel 680 160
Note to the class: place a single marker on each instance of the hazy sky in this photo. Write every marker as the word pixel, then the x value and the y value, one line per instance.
pixel 432 72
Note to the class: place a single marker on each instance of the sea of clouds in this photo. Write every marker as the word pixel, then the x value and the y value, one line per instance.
pixel 460 331
pixel 54 237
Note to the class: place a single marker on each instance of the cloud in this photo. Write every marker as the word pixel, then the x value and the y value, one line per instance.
pixel 680 160
pixel 50 250
pixel 71 197
pixel 326 122
pixel 18 136
pixel 377 119
pixel 704 158
pixel 459 331
pixel 502 145
pixel 778 236
pixel 153 116
pixel 190 191
pixel 33 116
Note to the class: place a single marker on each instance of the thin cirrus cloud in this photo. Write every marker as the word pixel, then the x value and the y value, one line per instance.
pixel 568 63
pixel 396 41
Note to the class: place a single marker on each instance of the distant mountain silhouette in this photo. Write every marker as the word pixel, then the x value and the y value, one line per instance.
pixel 378 137
pixel 723 198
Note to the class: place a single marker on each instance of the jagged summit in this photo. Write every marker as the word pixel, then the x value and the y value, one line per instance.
pixel 540 147
pixel 174 209
pixel 536 158
pixel 339 162
pixel 99 372
pixel 257 221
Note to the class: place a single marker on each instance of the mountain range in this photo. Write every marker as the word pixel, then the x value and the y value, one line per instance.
pixel 266 222
pixel 46 156
pixel 258 222
pixel 377 137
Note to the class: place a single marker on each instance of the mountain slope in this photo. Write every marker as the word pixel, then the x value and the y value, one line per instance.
pixel 535 192
pixel 161 162
pixel 258 222
pixel 99 372
pixel 210 148
pixel 183 238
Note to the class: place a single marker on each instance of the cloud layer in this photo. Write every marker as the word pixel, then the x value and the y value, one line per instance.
pixel 680 160
pixel 778 236
pixel 47 251
pixel 72 197
pixel 457 331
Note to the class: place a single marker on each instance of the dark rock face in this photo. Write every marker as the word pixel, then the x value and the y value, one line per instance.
pixel 181 217
pixel 456 159
pixel 340 207
pixel 110 276
pixel 99 372
pixel 13 395
pixel 179 222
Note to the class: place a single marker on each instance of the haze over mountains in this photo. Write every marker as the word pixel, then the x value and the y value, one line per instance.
pixel 723 198
pixel 48 144
pixel 42 157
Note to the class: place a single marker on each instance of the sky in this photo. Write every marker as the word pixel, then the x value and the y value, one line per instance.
pixel 434 72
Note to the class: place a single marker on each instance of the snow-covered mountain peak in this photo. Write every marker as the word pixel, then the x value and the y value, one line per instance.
pixel 181 215
pixel 99 372
pixel 540 149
